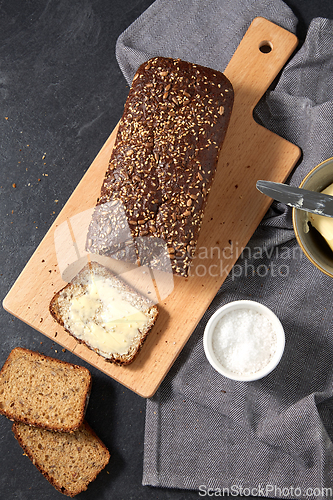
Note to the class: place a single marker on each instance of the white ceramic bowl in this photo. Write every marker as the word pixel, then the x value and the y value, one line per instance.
pixel 243 305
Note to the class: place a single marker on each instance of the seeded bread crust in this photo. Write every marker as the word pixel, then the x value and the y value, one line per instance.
pixel 163 162
pixel 69 461
pixel 60 306
pixel 42 391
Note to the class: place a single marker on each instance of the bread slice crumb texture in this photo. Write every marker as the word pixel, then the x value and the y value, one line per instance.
pixel 43 391
pixel 102 311
pixel 69 461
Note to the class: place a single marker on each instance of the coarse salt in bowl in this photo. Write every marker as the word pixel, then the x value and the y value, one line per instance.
pixel 244 340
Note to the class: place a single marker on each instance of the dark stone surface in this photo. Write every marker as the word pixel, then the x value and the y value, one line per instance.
pixel 61 94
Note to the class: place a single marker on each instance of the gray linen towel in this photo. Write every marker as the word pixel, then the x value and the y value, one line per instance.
pixel 272 437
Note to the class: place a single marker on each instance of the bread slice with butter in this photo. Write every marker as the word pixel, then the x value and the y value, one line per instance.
pixel 102 311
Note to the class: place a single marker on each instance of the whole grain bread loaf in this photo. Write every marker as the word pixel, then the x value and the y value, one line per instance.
pixel 163 162
pixel 102 311
pixel 69 461
pixel 43 391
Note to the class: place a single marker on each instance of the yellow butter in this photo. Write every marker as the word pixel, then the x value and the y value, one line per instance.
pixel 102 318
pixel 324 224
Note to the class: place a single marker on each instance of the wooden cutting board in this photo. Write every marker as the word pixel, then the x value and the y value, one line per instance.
pixel 234 210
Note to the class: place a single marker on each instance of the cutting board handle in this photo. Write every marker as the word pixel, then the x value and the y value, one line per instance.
pixel 261 54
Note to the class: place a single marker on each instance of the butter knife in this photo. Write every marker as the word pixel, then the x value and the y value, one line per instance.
pixel 303 199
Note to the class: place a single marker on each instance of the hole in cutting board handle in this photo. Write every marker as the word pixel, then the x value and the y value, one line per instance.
pixel 265 47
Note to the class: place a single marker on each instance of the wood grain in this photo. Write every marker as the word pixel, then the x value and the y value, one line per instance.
pixel 233 212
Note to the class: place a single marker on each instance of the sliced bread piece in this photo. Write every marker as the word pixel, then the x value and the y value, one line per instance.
pixel 43 391
pixel 69 461
pixel 105 313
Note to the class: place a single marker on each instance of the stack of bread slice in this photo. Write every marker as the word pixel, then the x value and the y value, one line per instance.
pixel 47 399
